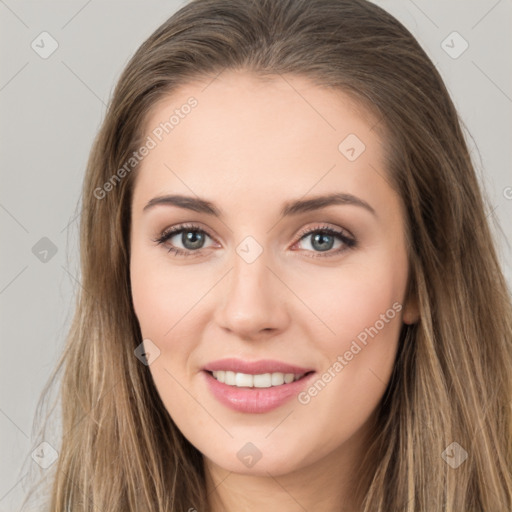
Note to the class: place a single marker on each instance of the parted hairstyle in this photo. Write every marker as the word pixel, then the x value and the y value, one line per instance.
pixel 121 451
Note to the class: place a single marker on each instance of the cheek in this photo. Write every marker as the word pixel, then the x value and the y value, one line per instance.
pixel 166 302
pixel 164 309
pixel 368 309
pixel 362 310
pixel 353 302
pixel 161 295
pixel 358 364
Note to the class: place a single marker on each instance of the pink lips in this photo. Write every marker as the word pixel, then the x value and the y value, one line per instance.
pixel 254 400
pixel 254 367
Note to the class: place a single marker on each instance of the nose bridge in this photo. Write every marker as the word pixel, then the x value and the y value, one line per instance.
pixel 250 271
pixel 251 302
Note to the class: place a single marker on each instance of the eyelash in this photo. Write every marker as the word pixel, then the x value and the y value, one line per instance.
pixel 349 242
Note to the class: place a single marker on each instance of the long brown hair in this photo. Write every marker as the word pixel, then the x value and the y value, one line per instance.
pixel 451 381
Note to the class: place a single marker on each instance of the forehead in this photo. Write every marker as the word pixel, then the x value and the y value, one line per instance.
pixel 247 134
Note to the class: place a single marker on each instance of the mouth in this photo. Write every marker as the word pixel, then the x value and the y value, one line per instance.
pixel 260 380
pixel 255 386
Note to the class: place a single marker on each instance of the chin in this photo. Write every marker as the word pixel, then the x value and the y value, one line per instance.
pixel 260 459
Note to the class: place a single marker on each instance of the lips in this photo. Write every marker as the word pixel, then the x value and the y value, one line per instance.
pixel 259 395
pixel 255 367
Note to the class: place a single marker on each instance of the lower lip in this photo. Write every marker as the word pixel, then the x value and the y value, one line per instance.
pixel 255 400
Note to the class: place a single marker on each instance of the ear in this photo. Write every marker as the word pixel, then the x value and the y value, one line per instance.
pixel 411 313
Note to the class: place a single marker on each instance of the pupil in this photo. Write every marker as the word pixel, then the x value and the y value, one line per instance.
pixel 321 239
pixel 192 239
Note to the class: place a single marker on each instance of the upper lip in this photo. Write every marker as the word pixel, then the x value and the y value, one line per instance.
pixel 255 367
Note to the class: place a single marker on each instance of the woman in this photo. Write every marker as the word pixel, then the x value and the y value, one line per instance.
pixel 290 294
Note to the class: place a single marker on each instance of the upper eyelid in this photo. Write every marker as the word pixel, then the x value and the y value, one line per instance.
pixel 338 230
pixel 174 230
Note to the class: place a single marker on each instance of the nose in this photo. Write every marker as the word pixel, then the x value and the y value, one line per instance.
pixel 253 303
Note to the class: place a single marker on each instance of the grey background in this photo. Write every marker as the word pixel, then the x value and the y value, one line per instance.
pixel 52 108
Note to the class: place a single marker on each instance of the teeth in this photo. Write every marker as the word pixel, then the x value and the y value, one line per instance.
pixel 262 380
pixel 243 380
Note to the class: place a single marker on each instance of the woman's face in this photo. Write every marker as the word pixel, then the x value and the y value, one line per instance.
pixel 290 275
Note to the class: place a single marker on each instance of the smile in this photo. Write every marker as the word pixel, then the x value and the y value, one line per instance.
pixel 262 380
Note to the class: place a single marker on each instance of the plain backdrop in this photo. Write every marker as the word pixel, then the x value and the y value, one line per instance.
pixel 51 107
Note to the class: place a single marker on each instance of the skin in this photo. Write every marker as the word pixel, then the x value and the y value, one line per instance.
pixel 248 147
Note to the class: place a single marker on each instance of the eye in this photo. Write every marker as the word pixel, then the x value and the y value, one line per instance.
pixel 191 236
pixel 192 239
pixel 323 239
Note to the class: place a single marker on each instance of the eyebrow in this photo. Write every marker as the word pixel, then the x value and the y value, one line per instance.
pixel 294 207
